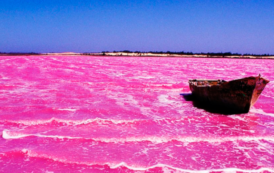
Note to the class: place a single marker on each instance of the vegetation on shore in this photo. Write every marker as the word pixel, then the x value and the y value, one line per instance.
pixel 182 53
pixel 19 53
pixel 150 53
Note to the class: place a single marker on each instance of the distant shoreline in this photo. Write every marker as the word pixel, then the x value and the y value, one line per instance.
pixel 143 54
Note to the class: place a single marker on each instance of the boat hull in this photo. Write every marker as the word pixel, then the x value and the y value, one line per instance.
pixel 237 96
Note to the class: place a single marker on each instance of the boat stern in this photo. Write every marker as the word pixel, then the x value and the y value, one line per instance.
pixel 259 87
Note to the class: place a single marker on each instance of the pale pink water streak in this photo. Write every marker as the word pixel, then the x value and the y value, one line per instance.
pixel 126 114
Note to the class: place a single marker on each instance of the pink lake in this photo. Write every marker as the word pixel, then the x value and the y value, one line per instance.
pixel 127 114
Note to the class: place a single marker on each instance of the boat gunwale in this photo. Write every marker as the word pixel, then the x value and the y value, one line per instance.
pixel 191 82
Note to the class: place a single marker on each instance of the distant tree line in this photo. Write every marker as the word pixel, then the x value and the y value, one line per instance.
pixel 248 54
pixel 20 53
pixel 223 54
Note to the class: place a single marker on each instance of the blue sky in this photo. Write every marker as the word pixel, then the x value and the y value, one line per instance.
pixel 242 26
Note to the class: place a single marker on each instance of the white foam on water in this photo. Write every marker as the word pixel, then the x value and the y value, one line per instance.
pixel 67 109
pixel 143 77
pixel 49 171
pixel 17 135
pixel 165 167
pixel 6 135
pixel 122 98
pixel 160 85
pixel 5 78
pixel 260 111
pixel 173 102
pixel 242 118
pixel 164 99
pixel 71 122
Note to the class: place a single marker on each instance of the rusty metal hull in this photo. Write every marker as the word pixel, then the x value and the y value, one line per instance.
pixel 238 96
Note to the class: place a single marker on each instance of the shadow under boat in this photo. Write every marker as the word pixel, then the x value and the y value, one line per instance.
pixel 209 107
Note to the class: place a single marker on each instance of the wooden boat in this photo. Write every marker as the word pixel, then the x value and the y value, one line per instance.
pixel 238 96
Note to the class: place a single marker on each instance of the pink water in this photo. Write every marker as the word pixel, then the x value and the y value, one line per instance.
pixel 126 114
